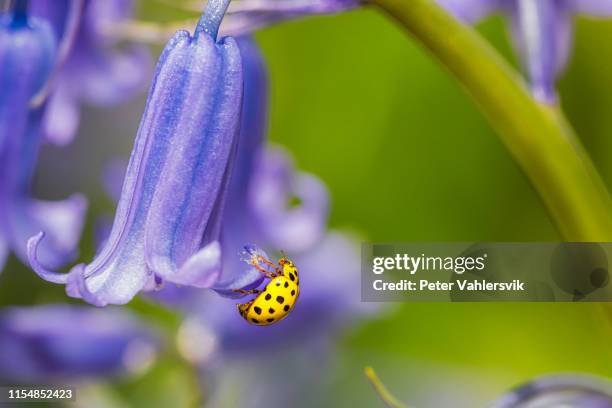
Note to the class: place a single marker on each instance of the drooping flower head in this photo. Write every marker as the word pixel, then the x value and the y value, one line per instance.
pixel 94 70
pixel 55 343
pixel 168 219
pixel 542 32
pixel 27 58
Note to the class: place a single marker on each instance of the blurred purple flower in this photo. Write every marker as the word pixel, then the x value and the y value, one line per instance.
pixel 559 391
pixel 246 16
pixel 27 54
pixel 94 71
pixel 168 219
pixel 54 343
pixel 542 31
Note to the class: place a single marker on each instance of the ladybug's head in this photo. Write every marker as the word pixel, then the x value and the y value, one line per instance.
pixel 289 268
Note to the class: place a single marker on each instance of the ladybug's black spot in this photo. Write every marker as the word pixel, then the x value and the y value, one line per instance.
pixel 270 320
pixel 257 310
pixel 280 299
pixel 286 284
pixel 291 276
pixel 293 292
pixel 271 311
pixel 268 296
pixel 277 283
pixel 255 320
pixel 286 308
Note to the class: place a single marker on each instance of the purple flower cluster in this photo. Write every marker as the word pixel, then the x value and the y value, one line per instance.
pixel 94 71
pixel 55 343
pixel 27 54
pixel 200 184
pixel 168 218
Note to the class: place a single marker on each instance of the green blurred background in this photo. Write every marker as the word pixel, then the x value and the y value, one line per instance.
pixel 407 157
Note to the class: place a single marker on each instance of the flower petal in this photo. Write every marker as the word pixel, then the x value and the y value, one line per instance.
pixel 189 198
pixel 114 77
pixel 61 119
pixel 202 269
pixel 597 8
pixel 62 220
pixel 273 187
pixel 542 32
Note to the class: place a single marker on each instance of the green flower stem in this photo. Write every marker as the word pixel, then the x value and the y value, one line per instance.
pixel 537 136
pixel 388 399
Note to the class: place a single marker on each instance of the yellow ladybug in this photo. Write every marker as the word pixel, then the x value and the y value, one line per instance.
pixel 278 298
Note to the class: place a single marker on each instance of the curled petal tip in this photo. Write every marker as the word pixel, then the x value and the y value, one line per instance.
pixel 83 290
pixel 40 270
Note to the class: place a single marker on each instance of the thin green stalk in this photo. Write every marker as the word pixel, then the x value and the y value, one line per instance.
pixel 537 136
pixel 388 399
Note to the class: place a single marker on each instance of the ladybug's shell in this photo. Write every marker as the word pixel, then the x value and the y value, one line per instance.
pixel 274 303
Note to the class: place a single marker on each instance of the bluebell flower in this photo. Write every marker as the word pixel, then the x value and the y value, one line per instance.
pixel 559 391
pixel 168 220
pixel 95 71
pixel 27 56
pixel 542 32
pixel 278 208
pixel 55 343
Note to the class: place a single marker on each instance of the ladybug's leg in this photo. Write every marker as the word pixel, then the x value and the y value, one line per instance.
pixel 243 308
pixel 248 292
pixel 270 264
pixel 270 275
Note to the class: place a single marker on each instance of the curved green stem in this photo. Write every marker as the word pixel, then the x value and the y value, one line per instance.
pixel 536 135
pixel 388 399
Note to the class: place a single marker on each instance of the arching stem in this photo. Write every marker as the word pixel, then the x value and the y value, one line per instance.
pixel 537 135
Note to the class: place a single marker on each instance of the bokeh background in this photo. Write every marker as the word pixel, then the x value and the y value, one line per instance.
pixel 407 157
